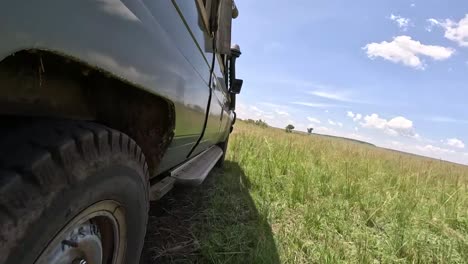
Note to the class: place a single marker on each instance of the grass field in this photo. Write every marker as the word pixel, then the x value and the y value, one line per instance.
pixel 293 198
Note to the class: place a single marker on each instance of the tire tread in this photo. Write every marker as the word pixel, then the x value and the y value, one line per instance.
pixel 40 159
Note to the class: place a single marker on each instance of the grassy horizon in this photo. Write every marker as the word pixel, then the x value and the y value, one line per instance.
pixel 294 198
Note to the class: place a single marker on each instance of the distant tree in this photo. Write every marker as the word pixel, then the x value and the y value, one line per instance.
pixel 309 130
pixel 261 123
pixel 289 128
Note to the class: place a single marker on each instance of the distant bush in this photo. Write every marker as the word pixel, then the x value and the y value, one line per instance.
pixel 259 122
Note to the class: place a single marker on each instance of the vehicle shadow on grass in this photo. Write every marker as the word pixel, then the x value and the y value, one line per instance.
pixel 216 222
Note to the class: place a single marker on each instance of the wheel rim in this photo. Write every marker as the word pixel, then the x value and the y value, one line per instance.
pixel 95 236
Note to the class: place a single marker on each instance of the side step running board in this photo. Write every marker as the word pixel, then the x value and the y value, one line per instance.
pixel 194 171
pixel 160 189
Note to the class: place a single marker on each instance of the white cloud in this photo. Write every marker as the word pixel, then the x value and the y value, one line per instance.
pixel 374 121
pixel 280 112
pixel 325 91
pixel 413 5
pixel 397 126
pixel 430 149
pixel 403 49
pixel 402 22
pixel 338 96
pixel 355 117
pixel 455 142
pixel 432 22
pixel 335 123
pixel 253 112
pixel 275 115
pixel 402 125
pixel 455 31
pixel 260 113
pixel 314 120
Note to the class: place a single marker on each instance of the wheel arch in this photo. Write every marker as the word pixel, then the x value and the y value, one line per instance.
pixel 47 84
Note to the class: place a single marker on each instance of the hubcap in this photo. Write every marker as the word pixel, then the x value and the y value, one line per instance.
pixel 81 246
pixel 95 236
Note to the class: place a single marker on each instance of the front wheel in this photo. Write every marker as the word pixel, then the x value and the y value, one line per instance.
pixel 71 192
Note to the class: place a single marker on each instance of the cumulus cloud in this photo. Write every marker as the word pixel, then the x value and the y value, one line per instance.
pixel 455 31
pixel 397 126
pixel 405 50
pixel 402 125
pixel 335 123
pixel 355 117
pixel 455 142
pixel 254 112
pixel 402 22
pixel 374 121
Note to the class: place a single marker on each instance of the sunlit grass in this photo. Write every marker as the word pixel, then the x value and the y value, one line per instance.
pixel 332 200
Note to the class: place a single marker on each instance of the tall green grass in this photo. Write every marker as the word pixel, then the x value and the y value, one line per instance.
pixel 331 200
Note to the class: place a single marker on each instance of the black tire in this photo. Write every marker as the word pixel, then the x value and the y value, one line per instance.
pixel 50 171
pixel 223 146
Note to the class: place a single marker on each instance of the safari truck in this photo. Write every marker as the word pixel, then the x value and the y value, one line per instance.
pixel 106 105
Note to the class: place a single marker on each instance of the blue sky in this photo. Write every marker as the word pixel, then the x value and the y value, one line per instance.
pixel 394 73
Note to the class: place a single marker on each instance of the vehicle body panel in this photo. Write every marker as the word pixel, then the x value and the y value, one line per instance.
pixel 145 43
pixel 219 108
